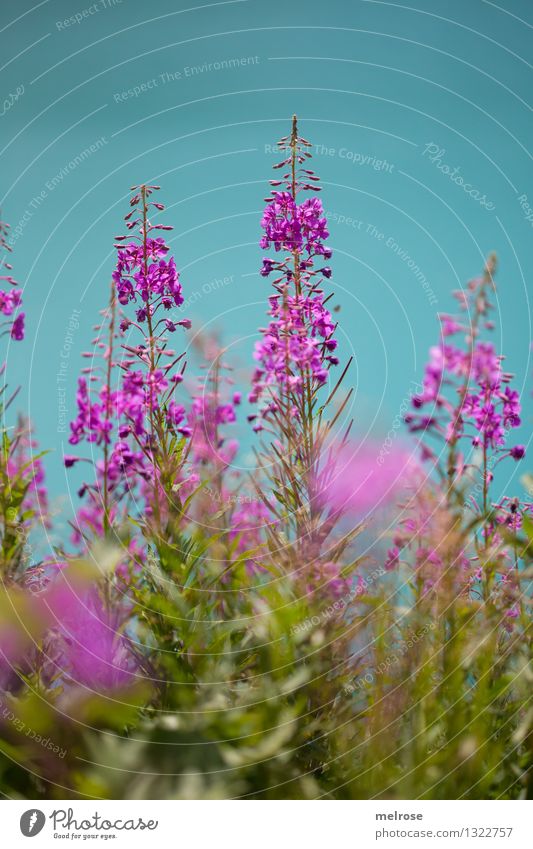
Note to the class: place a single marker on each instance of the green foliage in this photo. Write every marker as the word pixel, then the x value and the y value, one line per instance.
pixel 264 691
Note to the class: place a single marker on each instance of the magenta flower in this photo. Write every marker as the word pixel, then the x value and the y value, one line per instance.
pixel 17 330
pixel 9 301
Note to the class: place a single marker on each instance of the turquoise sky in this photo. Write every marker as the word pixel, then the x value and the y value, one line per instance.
pixel 194 96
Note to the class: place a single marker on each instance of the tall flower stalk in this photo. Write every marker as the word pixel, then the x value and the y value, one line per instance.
pixel 468 408
pixel 297 349
pixel 130 409
pixel 466 394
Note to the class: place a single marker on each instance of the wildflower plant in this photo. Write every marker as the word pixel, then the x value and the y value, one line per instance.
pixel 469 408
pixel 295 356
pixel 126 404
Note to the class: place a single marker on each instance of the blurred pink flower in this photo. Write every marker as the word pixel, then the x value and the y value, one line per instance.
pixel 91 652
pixel 360 478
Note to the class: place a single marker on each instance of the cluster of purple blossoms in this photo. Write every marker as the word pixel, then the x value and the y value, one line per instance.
pixel 92 424
pixel 510 512
pixel 485 407
pixel 140 394
pixel 143 274
pixel 297 345
pixel 466 396
pixel 10 299
pixel 134 396
pixel 290 226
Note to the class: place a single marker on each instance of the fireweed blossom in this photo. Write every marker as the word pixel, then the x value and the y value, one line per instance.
pixel 127 406
pixel 466 393
pixel 10 299
pixel 466 401
pixel 317 479
pixel 296 349
pixel 294 357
